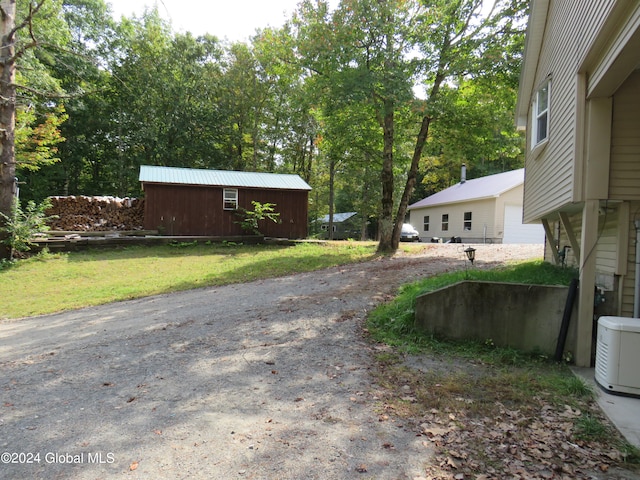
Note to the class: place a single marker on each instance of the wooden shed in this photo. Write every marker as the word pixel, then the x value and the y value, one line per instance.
pixel 345 225
pixel 186 201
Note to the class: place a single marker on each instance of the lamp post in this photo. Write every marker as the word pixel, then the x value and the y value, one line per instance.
pixel 471 254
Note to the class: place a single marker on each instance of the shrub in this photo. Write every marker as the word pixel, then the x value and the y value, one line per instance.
pixel 23 224
pixel 261 211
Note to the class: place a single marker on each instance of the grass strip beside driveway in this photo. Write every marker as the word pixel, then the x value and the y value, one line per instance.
pixel 51 283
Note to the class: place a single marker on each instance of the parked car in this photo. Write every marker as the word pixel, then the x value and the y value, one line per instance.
pixel 409 234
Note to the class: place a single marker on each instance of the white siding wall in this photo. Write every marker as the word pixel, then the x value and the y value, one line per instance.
pixel 624 177
pixel 606 252
pixel 549 183
pixel 628 286
pixel 483 214
pixel 606 255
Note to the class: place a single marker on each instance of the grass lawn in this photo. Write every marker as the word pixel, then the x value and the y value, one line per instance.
pixel 55 282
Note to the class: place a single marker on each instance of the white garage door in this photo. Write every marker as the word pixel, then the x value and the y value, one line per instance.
pixel 516 232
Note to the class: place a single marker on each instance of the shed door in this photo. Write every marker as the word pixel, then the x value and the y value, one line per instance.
pixel 517 232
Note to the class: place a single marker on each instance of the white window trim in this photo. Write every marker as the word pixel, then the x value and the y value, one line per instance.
pixel 425 225
pixel 230 199
pixel 445 223
pixel 465 221
pixel 537 115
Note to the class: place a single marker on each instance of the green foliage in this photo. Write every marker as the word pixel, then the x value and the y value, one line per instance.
pixel 592 428
pixel 312 98
pixel 183 244
pixel 23 224
pixel 251 219
pixel 365 59
pixel 574 386
pixel 37 142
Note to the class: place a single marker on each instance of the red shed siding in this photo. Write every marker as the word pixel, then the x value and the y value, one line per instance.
pixel 197 210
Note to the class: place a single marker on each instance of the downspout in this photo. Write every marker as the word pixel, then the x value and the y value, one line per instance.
pixel 636 297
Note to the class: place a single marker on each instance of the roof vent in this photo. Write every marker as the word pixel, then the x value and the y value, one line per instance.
pixel 463 174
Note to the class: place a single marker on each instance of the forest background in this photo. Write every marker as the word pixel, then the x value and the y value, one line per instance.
pixel 375 103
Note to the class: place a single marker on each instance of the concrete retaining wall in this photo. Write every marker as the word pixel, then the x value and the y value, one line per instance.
pixel 526 317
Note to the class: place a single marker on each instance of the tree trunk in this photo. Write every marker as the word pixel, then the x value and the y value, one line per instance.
pixel 411 178
pixel 7 116
pixel 421 140
pixel 332 178
pixel 386 215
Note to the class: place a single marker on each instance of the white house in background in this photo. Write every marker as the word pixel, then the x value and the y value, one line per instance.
pixel 579 102
pixel 482 210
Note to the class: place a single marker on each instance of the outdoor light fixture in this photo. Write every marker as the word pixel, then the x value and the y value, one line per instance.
pixel 471 254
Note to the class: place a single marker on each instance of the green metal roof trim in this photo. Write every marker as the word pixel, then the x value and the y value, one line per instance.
pixel 223 178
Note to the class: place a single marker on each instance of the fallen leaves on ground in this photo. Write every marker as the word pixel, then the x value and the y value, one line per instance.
pixel 512 444
pixel 476 436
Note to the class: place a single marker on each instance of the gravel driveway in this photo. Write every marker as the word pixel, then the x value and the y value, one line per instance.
pixel 264 380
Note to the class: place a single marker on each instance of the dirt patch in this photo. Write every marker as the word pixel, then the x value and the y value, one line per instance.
pixel 270 379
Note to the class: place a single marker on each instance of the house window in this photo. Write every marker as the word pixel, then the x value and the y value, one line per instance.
pixel 467 220
pixel 540 129
pixel 445 222
pixel 230 199
pixel 425 222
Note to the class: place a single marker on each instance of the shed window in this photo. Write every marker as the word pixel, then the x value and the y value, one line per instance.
pixel 467 220
pixel 425 222
pixel 230 199
pixel 540 129
pixel 445 222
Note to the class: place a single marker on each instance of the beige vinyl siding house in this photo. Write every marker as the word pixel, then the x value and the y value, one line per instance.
pixel 482 210
pixel 446 221
pixel 583 172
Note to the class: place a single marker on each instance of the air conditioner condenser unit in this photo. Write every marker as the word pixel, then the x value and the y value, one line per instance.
pixel 618 355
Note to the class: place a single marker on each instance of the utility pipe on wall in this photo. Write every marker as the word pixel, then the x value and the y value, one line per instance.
pixel 636 297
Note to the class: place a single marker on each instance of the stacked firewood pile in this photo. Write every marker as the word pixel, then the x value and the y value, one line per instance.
pixel 97 214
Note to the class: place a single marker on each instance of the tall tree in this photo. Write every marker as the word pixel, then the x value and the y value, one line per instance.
pixel 376 50
pixel 359 54
pixel 164 102
pixel 7 116
pixel 32 33
pixel 288 129
pixel 459 39
pixel 80 71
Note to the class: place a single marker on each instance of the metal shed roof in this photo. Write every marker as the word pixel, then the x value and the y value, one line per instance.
pixel 476 189
pixel 339 217
pixel 225 178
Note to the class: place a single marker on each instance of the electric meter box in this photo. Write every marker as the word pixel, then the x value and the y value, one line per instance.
pixel 618 355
